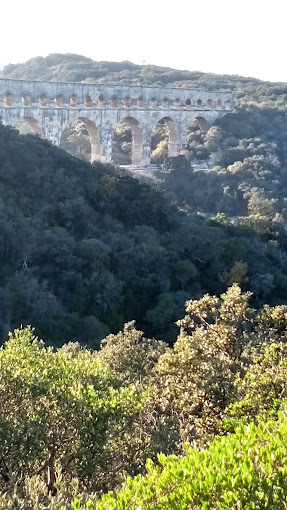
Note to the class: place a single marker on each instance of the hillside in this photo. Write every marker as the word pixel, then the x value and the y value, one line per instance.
pixel 78 243
pixel 71 67
pixel 85 249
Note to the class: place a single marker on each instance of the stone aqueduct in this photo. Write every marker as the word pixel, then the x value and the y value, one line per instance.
pixel 50 107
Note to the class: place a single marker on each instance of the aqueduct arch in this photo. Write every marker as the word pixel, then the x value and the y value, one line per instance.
pixel 130 128
pixel 95 149
pixel 30 125
pixel 202 123
pixel 173 138
pixel 137 139
pixel 49 107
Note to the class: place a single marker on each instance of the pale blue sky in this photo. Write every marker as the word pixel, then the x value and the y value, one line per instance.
pixel 246 37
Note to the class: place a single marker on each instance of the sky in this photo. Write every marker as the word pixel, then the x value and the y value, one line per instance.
pixel 246 37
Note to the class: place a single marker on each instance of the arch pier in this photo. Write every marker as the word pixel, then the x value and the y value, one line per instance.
pixel 48 109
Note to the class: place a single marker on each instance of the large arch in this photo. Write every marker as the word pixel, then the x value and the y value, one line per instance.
pixel 195 136
pixel 196 129
pixel 81 139
pixel 173 140
pixel 202 123
pixel 29 125
pixel 169 138
pixel 136 139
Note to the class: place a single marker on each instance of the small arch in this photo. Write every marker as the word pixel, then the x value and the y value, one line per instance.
pixel 209 103
pixel 114 102
pixel 81 139
pixel 176 103
pixel 29 125
pixel 8 99
pixel 26 100
pixel 153 102
pixel 88 103
pixel 228 105
pixel 140 102
pixel 73 101
pixel 59 101
pixel 43 100
pixel 199 102
pixel 219 104
pixel 101 101
pixel 165 103
pixel 127 102
pixel 188 102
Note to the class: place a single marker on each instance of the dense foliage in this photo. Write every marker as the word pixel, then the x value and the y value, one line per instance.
pixel 163 420
pixel 75 422
pixel 247 470
pixel 78 243
pixel 58 408
pixel 86 249
pixel 73 67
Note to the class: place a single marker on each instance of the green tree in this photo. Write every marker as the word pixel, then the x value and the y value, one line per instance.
pixel 58 408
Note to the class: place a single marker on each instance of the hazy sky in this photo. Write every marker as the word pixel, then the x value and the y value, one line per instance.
pixel 246 37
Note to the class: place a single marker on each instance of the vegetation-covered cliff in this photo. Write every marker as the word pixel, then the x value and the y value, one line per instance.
pixel 85 249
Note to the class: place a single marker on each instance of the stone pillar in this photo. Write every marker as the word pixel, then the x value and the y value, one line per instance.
pixel 146 147
pixel 53 131
pixel 173 149
pixel 96 157
pixel 106 138
pixel 174 145
pixel 137 149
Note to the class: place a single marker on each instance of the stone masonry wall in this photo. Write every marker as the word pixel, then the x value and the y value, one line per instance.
pixel 50 107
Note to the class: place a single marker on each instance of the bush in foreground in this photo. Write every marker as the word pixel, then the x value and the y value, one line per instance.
pixel 247 470
pixel 59 408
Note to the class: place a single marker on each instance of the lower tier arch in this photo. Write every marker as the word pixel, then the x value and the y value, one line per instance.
pixel 81 139
pixel 29 125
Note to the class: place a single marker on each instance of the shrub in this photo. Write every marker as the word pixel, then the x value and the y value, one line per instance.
pixel 245 470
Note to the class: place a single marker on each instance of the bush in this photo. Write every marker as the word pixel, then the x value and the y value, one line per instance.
pixel 245 470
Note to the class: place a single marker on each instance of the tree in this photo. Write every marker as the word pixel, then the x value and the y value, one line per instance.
pixel 195 380
pixel 130 355
pixel 58 408
pixel 262 391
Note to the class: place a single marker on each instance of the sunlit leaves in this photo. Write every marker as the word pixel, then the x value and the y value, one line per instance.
pixel 57 407
pixel 245 470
